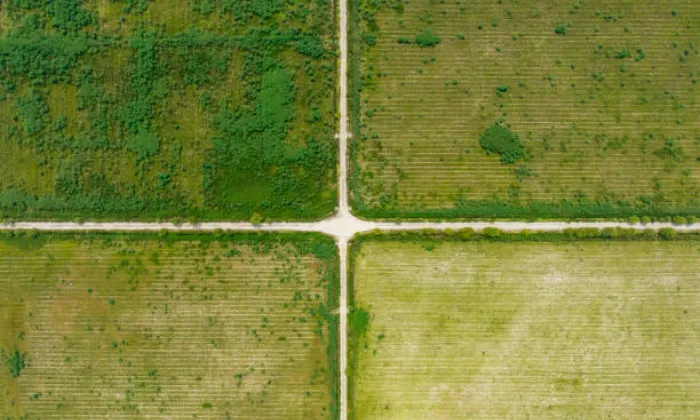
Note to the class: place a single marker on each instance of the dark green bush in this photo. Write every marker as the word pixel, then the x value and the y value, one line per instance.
pixel 427 39
pixel 16 362
pixel 499 139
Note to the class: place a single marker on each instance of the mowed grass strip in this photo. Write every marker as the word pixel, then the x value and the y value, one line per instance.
pixel 603 96
pixel 488 330
pixel 136 327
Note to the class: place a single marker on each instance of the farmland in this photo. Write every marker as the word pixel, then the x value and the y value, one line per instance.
pixel 147 109
pixel 174 326
pixel 495 329
pixel 512 109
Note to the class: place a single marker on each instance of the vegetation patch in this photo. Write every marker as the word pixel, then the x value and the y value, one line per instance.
pixel 500 140
pixel 427 39
pixel 15 362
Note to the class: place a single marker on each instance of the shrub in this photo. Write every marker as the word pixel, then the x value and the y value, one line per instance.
pixel 670 150
pixel 358 320
pixel 679 220
pixel 692 220
pixel 633 220
pixel 583 233
pixel 649 233
pixel 144 144
pixel 499 139
pixel 466 233
pixel 256 219
pixel 16 362
pixel 622 54
pixel 427 39
pixel 609 233
pixel 560 29
pixel 626 232
pixel 645 220
pixel 667 233
pixel 491 232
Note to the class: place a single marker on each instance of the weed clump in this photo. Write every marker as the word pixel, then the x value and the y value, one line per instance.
pixel 499 139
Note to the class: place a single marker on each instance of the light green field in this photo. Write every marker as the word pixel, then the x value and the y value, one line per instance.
pixel 607 113
pixel 181 327
pixel 557 330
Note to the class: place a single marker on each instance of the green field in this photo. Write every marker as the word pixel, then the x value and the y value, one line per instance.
pixel 179 326
pixel 556 328
pixel 146 109
pixel 596 102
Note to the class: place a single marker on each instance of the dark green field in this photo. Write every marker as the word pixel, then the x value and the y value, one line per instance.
pixel 153 109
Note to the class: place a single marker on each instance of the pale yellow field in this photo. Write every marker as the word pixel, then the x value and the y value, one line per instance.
pixel 480 330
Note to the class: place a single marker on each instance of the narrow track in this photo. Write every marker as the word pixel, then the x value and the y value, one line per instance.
pixel 343 226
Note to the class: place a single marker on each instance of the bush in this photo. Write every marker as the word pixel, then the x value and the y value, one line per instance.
pixel 256 219
pixel 692 220
pixel 466 233
pixel 499 139
pixel 667 233
pixel 622 54
pixel 16 362
pixel 427 39
pixel 649 233
pixel 358 321
pixel 491 232
pixel 626 232
pixel 609 233
pixel 583 233
pixel 633 220
pixel 646 220
pixel 679 220
pixel 560 29
pixel 144 144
